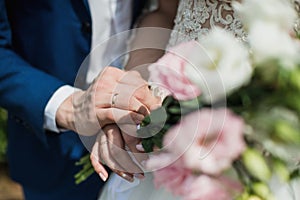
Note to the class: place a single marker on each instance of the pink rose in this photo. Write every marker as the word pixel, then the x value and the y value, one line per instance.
pixel 168 73
pixel 208 140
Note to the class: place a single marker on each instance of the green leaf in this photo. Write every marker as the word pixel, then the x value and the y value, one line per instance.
pixel 158 116
pixel 158 142
pixel 295 174
pixel 295 79
pixel 148 145
pixel 174 110
pixel 146 121
pixel 191 104
pixel 167 101
pixel 143 132
pixel 174 119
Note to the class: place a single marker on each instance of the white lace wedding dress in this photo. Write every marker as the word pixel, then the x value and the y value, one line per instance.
pixel 194 19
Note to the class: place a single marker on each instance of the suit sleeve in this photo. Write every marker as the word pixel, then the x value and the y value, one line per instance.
pixel 24 90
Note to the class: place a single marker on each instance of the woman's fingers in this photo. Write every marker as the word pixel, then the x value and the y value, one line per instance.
pixel 99 168
pixel 107 158
pixel 120 155
pixel 139 89
pixel 148 99
pixel 122 100
pixel 111 146
pixel 110 74
pixel 131 143
pixel 96 162
pixel 109 150
pixel 132 92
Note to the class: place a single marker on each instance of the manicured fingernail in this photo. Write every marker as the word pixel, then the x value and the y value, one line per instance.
pixel 104 178
pixel 139 119
pixel 140 147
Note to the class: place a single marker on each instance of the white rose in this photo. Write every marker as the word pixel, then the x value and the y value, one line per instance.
pixel 219 66
pixel 280 12
pixel 269 42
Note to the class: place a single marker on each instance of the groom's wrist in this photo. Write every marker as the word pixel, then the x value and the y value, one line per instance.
pixel 52 107
pixel 65 118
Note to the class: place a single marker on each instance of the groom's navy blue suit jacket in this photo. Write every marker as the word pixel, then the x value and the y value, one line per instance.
pixel 42 44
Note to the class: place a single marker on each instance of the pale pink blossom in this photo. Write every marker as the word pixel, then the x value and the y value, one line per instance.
pixel 168 73
pixel 181 182
pixel 204 187
pixel 208 140
pixel 172 178
pixel 161 160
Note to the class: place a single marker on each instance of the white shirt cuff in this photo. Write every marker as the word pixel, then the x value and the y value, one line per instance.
pixel 52 106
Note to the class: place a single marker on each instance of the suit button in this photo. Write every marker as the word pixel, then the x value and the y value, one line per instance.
pixel 87 27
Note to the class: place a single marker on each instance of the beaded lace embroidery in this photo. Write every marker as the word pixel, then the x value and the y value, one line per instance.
pixel 196 17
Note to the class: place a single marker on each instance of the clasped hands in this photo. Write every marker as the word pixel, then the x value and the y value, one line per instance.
pixel 112 107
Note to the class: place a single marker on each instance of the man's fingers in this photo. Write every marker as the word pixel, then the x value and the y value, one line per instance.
pixel 111 73
pixel 133 78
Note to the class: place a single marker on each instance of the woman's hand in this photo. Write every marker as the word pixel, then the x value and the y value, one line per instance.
pixel 110 149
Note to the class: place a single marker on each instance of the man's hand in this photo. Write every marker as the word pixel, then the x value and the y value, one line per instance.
pixel 115 96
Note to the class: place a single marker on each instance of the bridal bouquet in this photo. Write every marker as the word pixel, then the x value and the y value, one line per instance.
pixel 229 124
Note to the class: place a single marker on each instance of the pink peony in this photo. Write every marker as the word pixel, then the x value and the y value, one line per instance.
pixel 208 140
pixel 168 73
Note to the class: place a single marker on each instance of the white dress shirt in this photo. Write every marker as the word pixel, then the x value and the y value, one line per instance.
pixel 109 17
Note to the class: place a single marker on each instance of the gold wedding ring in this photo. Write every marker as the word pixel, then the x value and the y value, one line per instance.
pixel 113 100
pixel 124 175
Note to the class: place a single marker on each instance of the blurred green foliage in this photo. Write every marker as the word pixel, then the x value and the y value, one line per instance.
pixel 3 135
